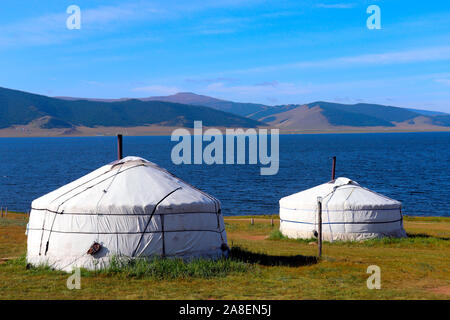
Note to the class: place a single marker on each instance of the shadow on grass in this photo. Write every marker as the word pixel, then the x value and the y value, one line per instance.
pixel 238 253
pixel 423 235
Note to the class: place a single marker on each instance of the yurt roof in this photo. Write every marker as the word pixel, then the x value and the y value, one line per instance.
pixel 131 185
pixel 339 194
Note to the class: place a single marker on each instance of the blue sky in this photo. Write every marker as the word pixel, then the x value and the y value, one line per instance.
pixel 271 52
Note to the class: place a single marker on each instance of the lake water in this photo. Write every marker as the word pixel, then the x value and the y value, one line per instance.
pixel 413 168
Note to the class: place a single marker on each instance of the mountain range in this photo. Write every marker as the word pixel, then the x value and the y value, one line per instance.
pixel 242 109
pixel 22 108
pixel 69 114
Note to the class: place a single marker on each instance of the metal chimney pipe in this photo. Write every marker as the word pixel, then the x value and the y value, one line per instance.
pixel 119 147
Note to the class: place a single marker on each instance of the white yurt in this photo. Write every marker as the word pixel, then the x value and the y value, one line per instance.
pixel 349 212
pixel 128 208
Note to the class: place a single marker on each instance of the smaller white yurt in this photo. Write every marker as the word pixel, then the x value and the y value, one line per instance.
pixel 349 212
pixel 128 208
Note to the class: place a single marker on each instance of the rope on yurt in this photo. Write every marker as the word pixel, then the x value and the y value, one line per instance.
pixel 217 209
pixel 101 197
pixel 68 191
pixel 387 198
pixel 161 217
pixel 90 187
pixel 50 232
pixel 42 233
pixel 73 196
pixel 78 186
pixel 316 223
pixel 150 219
pixel 218 212
pixel 401 218
pixel 331 194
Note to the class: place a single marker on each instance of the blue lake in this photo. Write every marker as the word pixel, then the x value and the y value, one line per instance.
pixel 413 168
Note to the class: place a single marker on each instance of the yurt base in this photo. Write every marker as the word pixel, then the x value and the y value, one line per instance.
pixel 88 262
pixel 339 236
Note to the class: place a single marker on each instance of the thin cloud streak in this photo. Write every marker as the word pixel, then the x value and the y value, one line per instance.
pixel 444 81
pixel 336 6
pixel 157 90
pixel 399 57
pixel 51 28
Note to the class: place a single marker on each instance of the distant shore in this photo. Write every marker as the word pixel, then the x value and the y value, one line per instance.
pixel 26 131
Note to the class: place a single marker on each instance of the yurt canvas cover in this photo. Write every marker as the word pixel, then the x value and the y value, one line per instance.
pixel 133 208
pixel 349 212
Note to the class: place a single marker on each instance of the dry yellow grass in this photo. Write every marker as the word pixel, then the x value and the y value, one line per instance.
pixel 413 268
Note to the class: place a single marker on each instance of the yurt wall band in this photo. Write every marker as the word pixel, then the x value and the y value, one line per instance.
pixel 349 212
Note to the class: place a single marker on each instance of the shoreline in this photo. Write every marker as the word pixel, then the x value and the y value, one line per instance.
pixel 167 131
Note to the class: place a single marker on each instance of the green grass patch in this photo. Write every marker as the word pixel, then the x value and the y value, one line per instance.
pixel 426 219
pixel 153 268
pixel 13 222
pixel 21 263
pixel 248 227
pixel 411 240
pixel 260 216
pixel 174 268
pixel 277 235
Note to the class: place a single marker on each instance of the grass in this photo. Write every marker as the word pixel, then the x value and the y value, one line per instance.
pixel 154 268
pixel 159 268
pixel 425 219
pixel 277 235
pixel 262 265
pixel 417 240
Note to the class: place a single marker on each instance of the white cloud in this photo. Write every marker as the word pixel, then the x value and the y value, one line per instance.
pixel 197 80
pixel 157 90
pixel 272 88
pixel 398 57
pixel 51 28
pixel 443 81
pixel 107 17
pixel 336 5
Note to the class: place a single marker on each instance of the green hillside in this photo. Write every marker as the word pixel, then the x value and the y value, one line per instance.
pixel 374 111
pixel 182 109
pixel 356 115
pixel 273 110
pixel 442 120
pixel 239 108
pixel 20 108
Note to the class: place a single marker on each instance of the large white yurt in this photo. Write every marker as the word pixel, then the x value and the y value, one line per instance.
pixel 128 208
pixel 349 212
